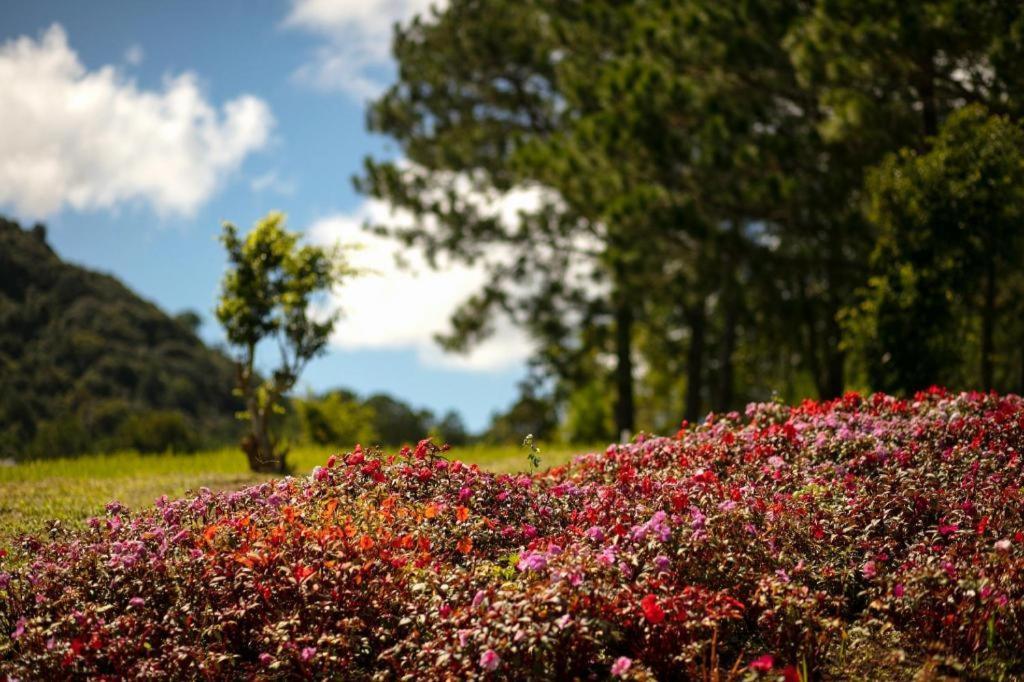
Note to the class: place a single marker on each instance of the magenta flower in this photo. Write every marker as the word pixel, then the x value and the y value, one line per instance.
pixel 621 666
pixel 532 561
pixel 595 533
pixel 763 663
pixel 490 660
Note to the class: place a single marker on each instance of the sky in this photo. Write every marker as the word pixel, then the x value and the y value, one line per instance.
pixel 133 129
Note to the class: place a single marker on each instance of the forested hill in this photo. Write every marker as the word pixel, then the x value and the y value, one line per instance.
pixel 88 365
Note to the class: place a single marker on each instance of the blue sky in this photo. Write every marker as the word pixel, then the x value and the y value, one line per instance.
pixel 132 129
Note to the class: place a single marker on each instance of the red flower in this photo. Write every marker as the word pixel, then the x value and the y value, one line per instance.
pixel 301 572
pixel 652 610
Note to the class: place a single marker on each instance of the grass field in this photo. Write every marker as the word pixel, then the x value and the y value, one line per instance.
pixel 34 494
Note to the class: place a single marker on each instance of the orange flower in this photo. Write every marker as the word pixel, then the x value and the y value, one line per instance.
pixel 329 509
pixel 211 532
pixel 465 545
pixel 430 511
pixel 365 542
pixel 461 514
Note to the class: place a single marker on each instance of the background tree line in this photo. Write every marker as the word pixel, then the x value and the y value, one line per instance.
pixel 736 197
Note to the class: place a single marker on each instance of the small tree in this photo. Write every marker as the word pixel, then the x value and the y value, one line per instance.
pixel 268 292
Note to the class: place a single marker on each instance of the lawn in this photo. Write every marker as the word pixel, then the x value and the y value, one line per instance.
pixel 34 494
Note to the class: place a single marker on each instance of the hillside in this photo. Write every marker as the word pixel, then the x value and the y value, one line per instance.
pixel 88 365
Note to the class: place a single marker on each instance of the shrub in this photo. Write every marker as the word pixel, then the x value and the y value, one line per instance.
pixel 854 538
pixel 158 431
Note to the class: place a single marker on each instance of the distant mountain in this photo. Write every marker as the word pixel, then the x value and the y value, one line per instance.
pixel 87 365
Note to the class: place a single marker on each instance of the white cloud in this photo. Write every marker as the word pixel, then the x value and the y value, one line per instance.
pixel 94 140
pixel 272 182
pixel 404 307
pixel 357 35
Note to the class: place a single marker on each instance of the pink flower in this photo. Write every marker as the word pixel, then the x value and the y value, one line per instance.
pixel 265 658
pixel 947 528
pixel 898 591
pixel 868 570
pixel 1002 546
pixel 621 666
pixel 307 653
pixel 490 660
pixel 532 561
pixel 763 663
pixel 136 601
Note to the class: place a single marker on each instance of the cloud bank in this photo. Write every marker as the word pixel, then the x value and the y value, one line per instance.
pixel 71 137
pixel 356 51
pixel 403 307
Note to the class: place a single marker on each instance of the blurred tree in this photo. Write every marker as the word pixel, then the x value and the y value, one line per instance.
pixel 268 293
pixel 478 83
pixel 337 419
pixel 450 429
pixel 529 414
pixel 396 422
pixel 950 225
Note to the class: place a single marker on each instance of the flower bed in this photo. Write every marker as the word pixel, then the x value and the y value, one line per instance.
pixel 860 537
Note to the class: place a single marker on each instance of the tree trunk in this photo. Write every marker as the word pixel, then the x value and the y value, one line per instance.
pixel 724 394
pixel 810 329
pixel 696 317
pixel 988 323
pixel 624 408
pixel 730 301
pixel 929 107
pixel 257 444
pixel 1020 379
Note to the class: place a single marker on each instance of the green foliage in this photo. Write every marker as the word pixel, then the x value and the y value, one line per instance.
pixel 704 165
pixel 158 431
pixel 267 293
pixel 396 422
pixel 450 429
pixel 336 419
pixel 80 353
pixel 529 414
pixel 949 225
pixel 588 417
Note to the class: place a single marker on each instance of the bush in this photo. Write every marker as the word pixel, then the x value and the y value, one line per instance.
pixel 158 431
pixel 857 538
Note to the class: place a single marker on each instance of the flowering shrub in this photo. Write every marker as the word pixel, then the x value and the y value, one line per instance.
pixel 854 538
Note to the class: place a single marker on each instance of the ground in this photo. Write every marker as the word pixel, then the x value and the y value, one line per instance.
pixel 71 490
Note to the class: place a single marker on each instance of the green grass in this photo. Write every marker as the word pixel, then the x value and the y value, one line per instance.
pixel 34 494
